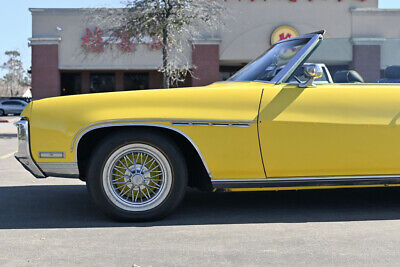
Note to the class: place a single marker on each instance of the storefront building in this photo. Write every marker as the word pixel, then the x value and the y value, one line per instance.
pixel 359 36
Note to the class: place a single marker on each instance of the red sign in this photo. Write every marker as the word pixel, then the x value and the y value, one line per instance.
pixel 282 36
pixel 93 41
pixel 125 44
pixel 296 0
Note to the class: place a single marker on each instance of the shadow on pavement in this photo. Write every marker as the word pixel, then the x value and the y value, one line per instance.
pixel 69 206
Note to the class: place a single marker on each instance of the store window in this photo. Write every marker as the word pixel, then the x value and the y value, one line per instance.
pixel 225 72
pixel 70 83
pixel 136 81
pixel 102 82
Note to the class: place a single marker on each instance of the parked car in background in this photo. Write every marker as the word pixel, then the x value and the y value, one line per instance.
pixel 12 106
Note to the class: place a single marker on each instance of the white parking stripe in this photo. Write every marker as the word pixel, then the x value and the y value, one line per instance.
pixel 8 155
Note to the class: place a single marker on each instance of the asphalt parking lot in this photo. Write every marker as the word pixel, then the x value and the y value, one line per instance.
pixel 53 222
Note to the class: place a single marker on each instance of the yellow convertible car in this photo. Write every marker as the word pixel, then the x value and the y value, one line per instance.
pixel 265 128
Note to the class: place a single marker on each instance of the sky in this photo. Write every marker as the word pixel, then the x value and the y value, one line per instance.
pixel 16 21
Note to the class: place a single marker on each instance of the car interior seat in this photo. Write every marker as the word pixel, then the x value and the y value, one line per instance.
pixel 348 76
pixel 392 75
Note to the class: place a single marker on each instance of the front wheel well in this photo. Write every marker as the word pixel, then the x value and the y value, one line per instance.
pixel 197 172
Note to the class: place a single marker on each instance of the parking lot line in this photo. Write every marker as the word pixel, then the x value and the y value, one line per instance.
pixel 8 155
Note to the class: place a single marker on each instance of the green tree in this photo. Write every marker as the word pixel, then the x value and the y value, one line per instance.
pixel 15 78
pixel 172 23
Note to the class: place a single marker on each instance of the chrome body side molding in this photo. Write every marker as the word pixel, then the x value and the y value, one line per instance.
pixel 67 170
pixel 121 123
pixel 217 124
pixel 23 155
pixel 307 181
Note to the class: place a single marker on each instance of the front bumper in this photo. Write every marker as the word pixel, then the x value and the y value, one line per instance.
pixel 23 154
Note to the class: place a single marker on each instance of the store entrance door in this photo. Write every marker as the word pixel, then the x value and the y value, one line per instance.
pixel 70 83
pixel 136 81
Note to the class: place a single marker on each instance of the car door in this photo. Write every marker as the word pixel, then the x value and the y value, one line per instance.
pixel 19 106
pixel 330 130
pixel 13 106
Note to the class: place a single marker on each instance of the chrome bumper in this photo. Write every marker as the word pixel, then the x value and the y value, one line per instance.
pixel 24 152
pixel 64 170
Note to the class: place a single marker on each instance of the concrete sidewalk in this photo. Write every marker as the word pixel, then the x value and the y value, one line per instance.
pixel 7 130
pixel 8 119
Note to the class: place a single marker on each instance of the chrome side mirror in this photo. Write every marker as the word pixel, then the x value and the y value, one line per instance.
pixel 313 71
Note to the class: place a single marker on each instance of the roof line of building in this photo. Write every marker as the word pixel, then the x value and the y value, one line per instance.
pixel 66 11
pixel 354 9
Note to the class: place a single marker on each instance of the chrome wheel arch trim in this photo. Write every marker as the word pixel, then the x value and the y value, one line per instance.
pixel 82 131
pixel 125 123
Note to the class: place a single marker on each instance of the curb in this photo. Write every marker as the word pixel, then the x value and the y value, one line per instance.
pixel 4 121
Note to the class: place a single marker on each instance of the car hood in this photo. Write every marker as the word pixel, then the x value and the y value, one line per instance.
pixel 228 98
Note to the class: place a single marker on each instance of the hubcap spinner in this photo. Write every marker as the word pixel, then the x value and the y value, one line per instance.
pixel 137 176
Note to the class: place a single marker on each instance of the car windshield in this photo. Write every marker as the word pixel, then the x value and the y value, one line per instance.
pixel 267 66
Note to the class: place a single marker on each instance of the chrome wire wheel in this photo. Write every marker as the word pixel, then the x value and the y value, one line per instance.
pixel 137 177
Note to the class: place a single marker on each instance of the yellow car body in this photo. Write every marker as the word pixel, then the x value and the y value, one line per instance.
pixel 243 134
pixel 242 130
